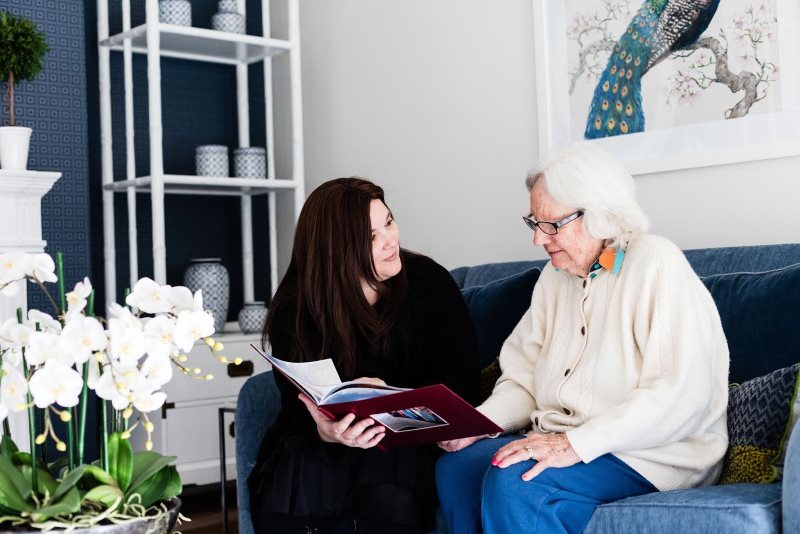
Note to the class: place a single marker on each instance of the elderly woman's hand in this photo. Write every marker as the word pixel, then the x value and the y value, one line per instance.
pixel 454 445
pixel 362 434
pixel 549 450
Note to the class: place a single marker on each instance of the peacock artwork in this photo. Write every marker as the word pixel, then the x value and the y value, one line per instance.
pixel 637 66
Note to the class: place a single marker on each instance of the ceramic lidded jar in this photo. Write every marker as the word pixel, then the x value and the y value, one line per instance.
pixel 211 160
pixel 210 276
pixel 228 18
pixel 177 12
pixel 252 317
pixel 250 162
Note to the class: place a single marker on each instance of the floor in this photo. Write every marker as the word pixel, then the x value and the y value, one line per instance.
pixel 203 505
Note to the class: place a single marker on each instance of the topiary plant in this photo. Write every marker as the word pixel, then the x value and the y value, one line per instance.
pixel 22 50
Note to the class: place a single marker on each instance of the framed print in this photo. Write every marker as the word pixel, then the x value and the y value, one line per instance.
pixel 669 85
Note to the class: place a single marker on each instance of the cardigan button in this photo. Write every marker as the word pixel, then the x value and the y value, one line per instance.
pixel 536 421
pixel 584 283
pixel 567 411
pixel 583 330
pixel 566 373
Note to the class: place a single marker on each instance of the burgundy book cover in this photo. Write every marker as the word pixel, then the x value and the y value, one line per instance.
pixel 461 420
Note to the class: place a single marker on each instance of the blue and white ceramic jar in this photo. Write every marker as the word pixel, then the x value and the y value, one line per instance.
pixel 250 162
pixel 210 276
pixel 177 12
pixel 252 317
pixel 228 18
pixel 212 160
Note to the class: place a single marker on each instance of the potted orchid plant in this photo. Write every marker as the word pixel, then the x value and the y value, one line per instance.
pixel 50 364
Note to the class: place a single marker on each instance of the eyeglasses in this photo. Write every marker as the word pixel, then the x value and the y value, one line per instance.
pixel 551 228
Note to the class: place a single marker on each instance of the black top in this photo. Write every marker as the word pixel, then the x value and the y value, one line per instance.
pixel 433 342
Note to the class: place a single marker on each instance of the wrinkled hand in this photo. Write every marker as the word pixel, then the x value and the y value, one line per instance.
pixel 362 434
pixel 549 450
pixel 453 445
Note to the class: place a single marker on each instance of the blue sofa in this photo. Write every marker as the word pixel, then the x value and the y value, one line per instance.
pixel 757 291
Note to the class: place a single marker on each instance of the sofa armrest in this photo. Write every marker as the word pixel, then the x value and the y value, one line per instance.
pixel 256 409
pixel 791 483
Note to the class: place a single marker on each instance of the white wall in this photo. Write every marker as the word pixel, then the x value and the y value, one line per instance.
pixel 435 101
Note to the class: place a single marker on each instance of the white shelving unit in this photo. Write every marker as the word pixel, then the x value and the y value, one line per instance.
pixel 190 401
pixel 196 44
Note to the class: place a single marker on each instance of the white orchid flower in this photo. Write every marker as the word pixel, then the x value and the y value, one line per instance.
pixel 105 387
pixel 55 383
pixel 13 389
pixel 13 337
pixel 13 266
pixel 183 300
pixel 43 347
pixel 42 268
pixel 76 299
pixel 150 297
pixel 157 370
pixel 45 321
pixel 10 289
pixel 158 336
pixel 126 344
pixel 151 402
pixel 123 316
pixel 81 337
pixel 191 326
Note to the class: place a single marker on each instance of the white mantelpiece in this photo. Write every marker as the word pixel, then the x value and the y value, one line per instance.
pixel 21 195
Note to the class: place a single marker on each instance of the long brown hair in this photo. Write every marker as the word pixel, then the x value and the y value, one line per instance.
pixel 321 291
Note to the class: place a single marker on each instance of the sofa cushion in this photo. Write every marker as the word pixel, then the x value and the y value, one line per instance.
pixel 759 412
pixel 731 508
pixel 759 316
pixel 496 308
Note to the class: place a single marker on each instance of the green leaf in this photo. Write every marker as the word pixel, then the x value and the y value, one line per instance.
pixel 120 460
pixel 70 504
pixel 68 482
pixel 174 485
pixel 12 474
pixel 98 475
pixel 10 497
pixel 7 446
pixel 105 494
pixel 152 488
pixel 145 464
pixel 44 478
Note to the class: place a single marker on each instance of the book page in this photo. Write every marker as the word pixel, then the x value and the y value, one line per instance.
pixel 314 378
pixel 354 391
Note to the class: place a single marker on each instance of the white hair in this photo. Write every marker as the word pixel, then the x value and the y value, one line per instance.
pixel 586 178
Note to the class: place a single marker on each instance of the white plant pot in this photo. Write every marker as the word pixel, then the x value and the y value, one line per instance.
pixel 14 144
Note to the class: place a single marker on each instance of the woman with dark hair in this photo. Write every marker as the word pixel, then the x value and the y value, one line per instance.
pixel 382 313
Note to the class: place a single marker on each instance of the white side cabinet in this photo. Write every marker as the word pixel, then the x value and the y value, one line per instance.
pixel 188 426
pixel 21 194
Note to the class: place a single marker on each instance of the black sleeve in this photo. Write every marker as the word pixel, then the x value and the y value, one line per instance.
pixel 294 417
pixel 449 347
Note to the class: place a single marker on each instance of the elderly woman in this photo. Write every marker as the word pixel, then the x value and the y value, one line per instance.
pixel 614 382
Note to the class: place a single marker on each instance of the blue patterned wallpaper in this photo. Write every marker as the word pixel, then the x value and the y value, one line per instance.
pixel 54 105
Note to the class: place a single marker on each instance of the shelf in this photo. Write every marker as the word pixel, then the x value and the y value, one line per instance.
pixel 178 184
pixel 201 44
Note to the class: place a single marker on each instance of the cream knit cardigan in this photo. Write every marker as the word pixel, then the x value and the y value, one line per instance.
pixel 634 364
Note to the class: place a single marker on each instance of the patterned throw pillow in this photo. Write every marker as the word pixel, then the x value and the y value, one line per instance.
pixel 759 412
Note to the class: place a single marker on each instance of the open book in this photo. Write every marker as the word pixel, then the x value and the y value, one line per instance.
pixel 411 416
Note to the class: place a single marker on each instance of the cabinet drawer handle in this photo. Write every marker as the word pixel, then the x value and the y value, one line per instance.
pixel 243 369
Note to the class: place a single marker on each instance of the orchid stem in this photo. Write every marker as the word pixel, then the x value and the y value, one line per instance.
pixel 104 444
pixel 60 269
pixel 31 418
pixel 82 420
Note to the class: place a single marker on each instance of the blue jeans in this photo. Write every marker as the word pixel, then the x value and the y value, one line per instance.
pixel 473 493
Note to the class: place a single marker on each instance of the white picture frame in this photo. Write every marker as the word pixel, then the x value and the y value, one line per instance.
pixel 751 138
